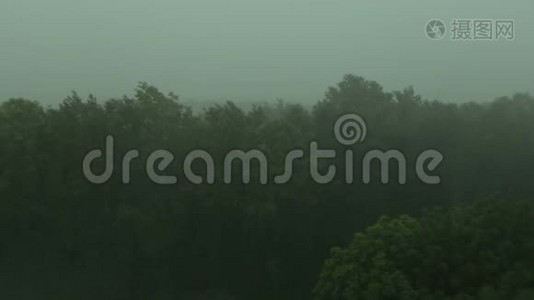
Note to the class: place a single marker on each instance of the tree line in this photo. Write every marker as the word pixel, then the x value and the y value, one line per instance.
pixel 67 238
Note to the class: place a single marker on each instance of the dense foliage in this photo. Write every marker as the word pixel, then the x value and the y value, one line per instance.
pixel 480 251
pixel 66 238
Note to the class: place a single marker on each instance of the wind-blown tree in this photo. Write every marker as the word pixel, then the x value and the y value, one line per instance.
pixel 483 251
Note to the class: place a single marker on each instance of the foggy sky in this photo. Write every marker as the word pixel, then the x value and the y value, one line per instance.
pixel 249 50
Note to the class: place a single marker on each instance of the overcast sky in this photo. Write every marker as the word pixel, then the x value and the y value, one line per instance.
pixel 249 50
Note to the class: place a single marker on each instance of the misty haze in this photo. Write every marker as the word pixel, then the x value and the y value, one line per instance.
pixel 283 149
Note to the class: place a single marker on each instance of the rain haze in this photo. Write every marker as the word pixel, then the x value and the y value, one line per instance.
pixel 267 150
pixel 244 51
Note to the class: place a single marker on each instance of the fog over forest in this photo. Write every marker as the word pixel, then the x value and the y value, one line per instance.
pixel 252 51
pixel 274 150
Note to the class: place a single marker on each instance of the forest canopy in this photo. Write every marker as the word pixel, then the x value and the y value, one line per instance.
pixel 67 238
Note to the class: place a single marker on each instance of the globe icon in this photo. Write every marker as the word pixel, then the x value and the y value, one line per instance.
pixel 435 29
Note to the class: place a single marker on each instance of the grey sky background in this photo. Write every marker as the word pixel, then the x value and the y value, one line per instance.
pixel 247 50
